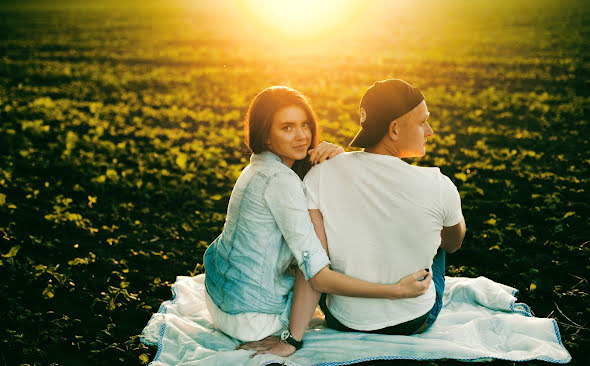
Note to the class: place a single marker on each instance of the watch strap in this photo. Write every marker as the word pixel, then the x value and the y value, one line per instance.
pixel 287 338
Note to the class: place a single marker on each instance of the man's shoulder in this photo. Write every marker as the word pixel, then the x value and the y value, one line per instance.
pixel 434 175
pixel 432 171
pixel 327 165
pixel 339 159
pixel 423 176
pixel 346 159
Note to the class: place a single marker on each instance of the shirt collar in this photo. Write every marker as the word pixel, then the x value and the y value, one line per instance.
pixel 265 156
pixel 383 157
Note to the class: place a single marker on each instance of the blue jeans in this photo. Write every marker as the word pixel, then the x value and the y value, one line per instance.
pixel 414 326
pixel 438 276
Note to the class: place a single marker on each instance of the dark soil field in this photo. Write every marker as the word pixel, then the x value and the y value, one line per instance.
pixel 121 139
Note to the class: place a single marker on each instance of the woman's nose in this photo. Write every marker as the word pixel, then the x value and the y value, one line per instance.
pixel 301 133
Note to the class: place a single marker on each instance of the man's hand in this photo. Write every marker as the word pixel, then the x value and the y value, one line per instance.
pixel 323 151
pixel 270 344
pixel 413 285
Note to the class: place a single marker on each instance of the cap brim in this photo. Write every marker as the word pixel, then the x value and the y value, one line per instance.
pixel 365 138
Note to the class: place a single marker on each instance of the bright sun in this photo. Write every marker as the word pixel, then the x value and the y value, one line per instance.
pixel 300 19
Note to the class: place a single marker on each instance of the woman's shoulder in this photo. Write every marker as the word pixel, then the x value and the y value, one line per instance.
pixel 274 170
pixel 269 177
pixel 284 179
pixel 282 185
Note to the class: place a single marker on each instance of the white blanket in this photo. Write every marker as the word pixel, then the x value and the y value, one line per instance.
pixel 480 320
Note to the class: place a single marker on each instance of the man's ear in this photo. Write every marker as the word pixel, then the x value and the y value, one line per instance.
pixel 393 130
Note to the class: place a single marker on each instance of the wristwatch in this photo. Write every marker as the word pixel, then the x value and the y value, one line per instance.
pixel 286 338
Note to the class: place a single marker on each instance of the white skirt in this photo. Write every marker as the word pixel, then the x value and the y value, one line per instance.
pixel 246 327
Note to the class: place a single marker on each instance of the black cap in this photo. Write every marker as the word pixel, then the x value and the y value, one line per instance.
pixel 383 102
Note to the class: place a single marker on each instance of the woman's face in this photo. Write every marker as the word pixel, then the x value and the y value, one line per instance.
pixel 290 134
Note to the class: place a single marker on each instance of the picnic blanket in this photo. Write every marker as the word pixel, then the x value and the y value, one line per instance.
pixel 480 320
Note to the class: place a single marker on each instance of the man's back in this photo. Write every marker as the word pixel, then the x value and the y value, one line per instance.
pixel 382 219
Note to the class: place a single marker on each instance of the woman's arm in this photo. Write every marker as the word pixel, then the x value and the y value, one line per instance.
pixel 305 300
pixel 337 283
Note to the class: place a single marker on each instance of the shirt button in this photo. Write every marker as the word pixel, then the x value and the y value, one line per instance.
pixel 306 254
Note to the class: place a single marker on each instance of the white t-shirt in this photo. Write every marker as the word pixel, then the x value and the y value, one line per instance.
pixel 383 219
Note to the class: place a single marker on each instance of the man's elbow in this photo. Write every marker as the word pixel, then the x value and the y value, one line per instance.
pixel 451 246
pixel 452 249
pixel 452 237
pixel 457 242
pixel 461 236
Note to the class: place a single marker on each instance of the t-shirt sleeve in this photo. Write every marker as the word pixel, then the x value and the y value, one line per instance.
pixel 286 201
pixel 451 203
pixel 311 186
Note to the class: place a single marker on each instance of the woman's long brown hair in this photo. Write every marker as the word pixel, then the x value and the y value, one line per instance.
pixel 260 117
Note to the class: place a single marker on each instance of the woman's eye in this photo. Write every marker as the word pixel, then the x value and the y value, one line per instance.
pixel 307 125
pixel 287 128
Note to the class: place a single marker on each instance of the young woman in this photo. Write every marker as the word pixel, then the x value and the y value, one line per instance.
pixel 248 278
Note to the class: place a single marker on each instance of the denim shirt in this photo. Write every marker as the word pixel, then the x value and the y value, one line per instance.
pixel 267 225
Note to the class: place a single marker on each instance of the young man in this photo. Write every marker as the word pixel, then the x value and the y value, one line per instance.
pixel 383 218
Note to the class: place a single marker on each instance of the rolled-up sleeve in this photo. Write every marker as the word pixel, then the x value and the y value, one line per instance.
pixel 286 201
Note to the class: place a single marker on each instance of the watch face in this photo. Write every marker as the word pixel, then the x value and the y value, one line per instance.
pixel 285 335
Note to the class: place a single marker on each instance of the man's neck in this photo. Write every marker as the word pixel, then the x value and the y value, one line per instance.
pixel 382 149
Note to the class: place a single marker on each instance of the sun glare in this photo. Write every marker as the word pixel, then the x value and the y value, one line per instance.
pixel 300 19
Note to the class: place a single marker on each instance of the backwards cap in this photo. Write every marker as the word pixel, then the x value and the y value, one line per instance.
pixel 383 102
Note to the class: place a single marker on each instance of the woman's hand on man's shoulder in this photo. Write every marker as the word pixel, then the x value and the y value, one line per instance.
pixel 324 151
